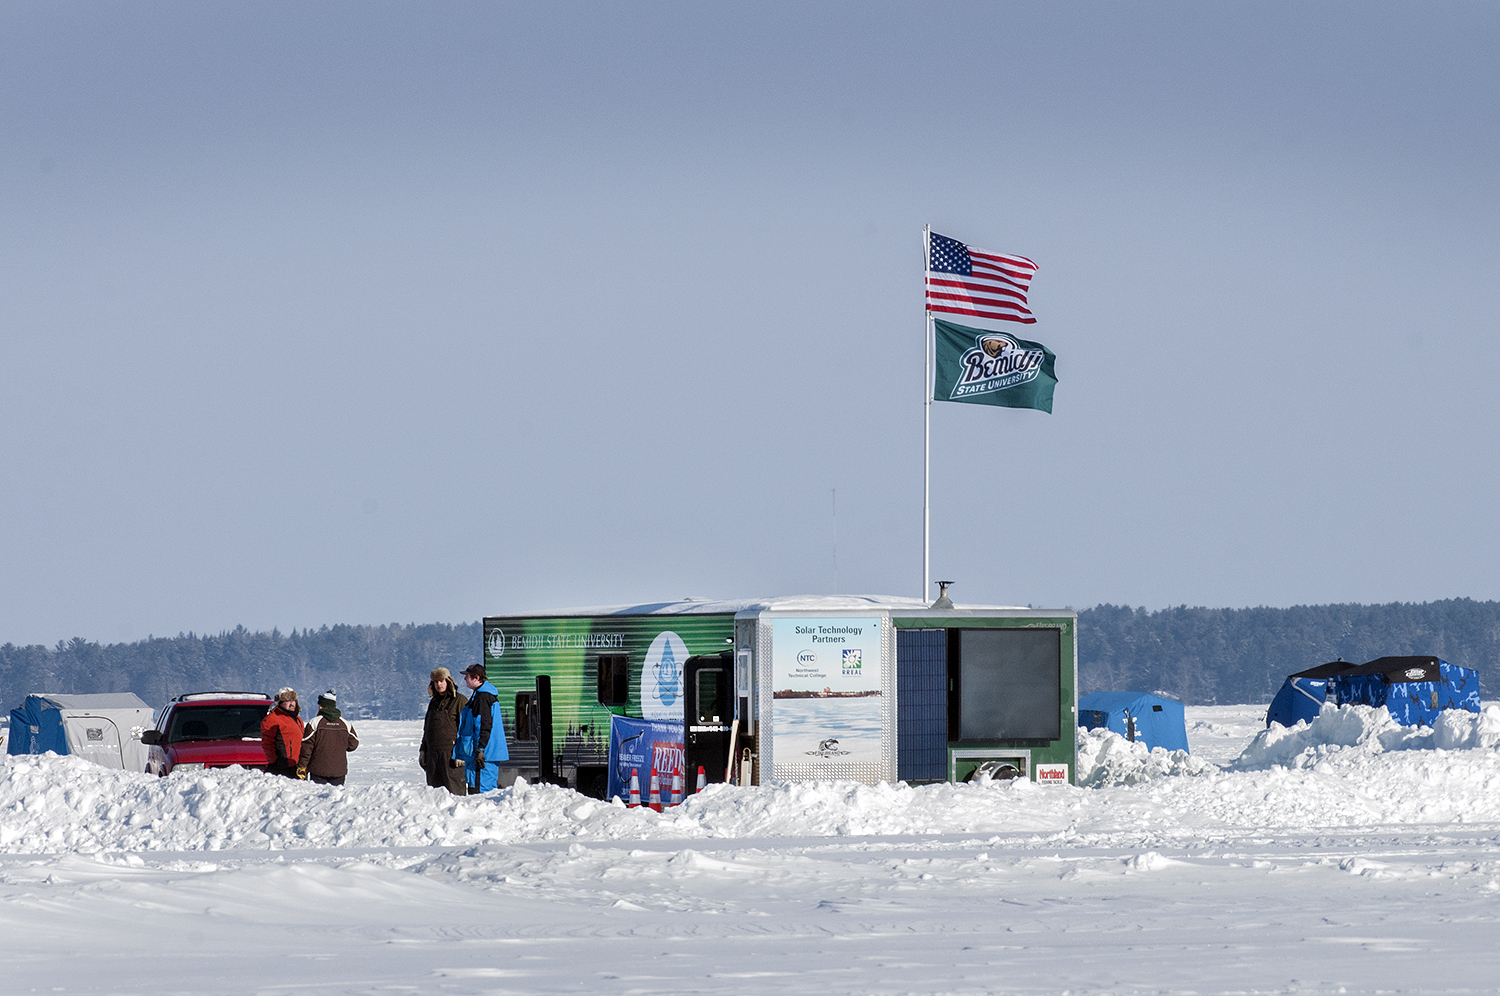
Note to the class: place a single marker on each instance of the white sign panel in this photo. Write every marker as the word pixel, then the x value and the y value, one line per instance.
pixel 825 684
pixel 1052 774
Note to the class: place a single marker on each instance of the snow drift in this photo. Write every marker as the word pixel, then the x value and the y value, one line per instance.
pixel 1352 766
pixel 1347 732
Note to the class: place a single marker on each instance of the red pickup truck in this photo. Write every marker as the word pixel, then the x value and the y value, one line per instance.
pixel 208 730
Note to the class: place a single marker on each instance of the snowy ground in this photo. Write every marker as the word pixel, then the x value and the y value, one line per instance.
pixel 1354 856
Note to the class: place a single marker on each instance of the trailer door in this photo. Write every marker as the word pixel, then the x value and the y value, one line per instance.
pixel 709 706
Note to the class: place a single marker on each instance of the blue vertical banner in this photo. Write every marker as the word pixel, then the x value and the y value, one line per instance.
pixel 639 744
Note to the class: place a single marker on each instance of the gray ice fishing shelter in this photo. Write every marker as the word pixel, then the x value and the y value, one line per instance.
pixel 105 729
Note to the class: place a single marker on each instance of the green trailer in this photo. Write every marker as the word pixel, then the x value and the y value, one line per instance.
pixel 867 688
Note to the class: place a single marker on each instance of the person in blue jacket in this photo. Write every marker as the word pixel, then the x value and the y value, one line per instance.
pixel 481 734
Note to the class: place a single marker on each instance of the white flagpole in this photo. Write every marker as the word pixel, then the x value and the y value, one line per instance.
pixel 926 417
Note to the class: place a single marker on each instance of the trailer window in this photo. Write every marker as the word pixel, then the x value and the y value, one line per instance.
pixel 713 696
pixel 1009 684
pixel 614 679
pixel 528 715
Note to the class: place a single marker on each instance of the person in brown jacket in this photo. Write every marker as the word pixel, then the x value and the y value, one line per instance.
pixel 281 734
pixel 440 733
pixel 326 747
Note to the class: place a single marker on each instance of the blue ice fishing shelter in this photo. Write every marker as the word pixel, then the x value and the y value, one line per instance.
pixel 36 727
pixel 1302 694
pixel 1139 717
pixel 1414 689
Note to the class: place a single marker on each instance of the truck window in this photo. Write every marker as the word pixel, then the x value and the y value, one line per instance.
pixel 216 722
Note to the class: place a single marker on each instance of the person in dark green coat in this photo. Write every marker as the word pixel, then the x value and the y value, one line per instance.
pixel 440 733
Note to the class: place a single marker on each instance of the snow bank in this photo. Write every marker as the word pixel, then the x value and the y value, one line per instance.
pixel 1346 733
pixel 50 804
pixel 1350 767
pixel 1105 758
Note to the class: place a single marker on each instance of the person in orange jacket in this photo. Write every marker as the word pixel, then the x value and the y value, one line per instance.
pixel 281 735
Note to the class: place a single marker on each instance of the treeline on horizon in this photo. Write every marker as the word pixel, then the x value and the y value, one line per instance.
pixel 1201 656
pixel 1228 656
pixel 378 671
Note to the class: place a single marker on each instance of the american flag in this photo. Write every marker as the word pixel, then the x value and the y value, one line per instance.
pixel 962 280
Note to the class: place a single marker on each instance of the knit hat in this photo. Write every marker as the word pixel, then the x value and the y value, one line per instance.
pixel 328 698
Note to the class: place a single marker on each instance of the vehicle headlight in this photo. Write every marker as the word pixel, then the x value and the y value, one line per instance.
pixel 198 766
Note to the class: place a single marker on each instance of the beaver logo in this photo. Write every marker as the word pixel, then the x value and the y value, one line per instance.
pixel 994 345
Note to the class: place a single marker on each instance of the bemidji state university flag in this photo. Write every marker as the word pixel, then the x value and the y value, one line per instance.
pixel 981 367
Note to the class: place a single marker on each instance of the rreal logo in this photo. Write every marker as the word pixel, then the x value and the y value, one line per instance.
pixel 996 362
pixel 494 644
pixel 807 658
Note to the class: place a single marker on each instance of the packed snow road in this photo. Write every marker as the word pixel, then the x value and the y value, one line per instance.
pixel 1353 856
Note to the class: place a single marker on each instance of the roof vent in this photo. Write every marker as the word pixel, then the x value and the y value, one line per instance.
pixel 943 601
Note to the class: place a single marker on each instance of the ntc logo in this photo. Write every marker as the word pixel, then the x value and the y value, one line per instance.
pixel 807 657
pixel 494 644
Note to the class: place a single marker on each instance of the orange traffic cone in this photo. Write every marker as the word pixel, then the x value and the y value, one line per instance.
pixel 677 787
pixel 635 788
pixel 702 780
pixel 655 802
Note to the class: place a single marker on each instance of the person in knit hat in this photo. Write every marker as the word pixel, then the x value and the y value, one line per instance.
pixel 440 733
pixel 326 747
pixel 281 734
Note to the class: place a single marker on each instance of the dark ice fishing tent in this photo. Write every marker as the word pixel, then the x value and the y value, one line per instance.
pixel 1414 689
pixel 1302 694
pixel 105 729
pixel 1137 716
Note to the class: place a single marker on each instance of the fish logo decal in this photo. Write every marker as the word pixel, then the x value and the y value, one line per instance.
pixel 828 748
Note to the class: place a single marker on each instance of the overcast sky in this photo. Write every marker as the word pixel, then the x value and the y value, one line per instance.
pixel 320 313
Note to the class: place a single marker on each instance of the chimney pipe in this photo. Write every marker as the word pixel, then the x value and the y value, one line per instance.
pixel 943 601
